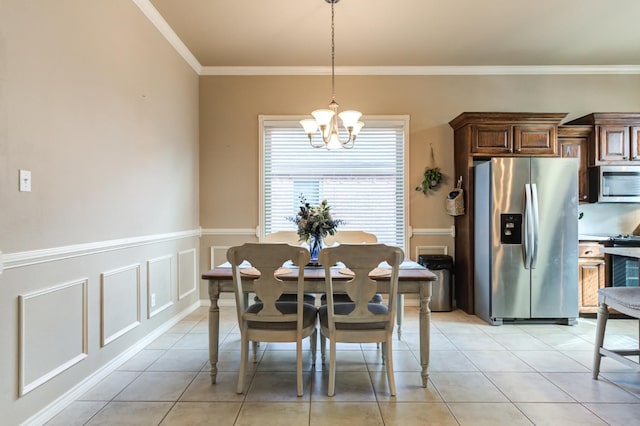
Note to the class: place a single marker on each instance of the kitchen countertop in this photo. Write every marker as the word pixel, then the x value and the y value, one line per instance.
pixel 592 237
pixel 623 251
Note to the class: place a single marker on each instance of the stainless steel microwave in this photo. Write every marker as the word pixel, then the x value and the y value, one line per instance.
pixel 614 184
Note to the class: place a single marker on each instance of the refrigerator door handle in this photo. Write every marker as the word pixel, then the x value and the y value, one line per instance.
pixel 536 225
pixel 528 227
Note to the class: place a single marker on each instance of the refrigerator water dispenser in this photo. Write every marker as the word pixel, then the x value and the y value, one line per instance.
pixel 510 228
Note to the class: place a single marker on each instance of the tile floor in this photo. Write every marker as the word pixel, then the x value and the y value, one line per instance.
pixel 479 374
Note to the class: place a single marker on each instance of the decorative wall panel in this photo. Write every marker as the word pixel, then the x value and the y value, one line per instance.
pixel 52 338
pixel 159 278
pixel 187 269
pixel 120 302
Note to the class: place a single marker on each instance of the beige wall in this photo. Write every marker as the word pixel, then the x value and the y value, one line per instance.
pixel 104 113
pixel 229 109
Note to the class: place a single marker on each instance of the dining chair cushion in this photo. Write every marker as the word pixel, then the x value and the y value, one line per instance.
pixel 309 313
pixel 345 309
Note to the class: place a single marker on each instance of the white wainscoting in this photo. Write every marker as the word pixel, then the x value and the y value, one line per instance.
pixel 52 339
pixel 119 302
pixel 34 257
pixel 187 272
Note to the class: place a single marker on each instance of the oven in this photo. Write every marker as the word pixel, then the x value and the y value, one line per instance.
pixel 624 270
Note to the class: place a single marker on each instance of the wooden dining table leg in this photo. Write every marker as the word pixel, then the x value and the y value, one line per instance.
pixel 425 331
pixel 214 328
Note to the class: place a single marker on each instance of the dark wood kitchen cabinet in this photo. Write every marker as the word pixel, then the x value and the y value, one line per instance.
pixel 573 142
pixel 615 137
pixel 505 139
pixel 482 135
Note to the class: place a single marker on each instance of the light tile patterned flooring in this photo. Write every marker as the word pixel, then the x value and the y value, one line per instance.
pixel 479 374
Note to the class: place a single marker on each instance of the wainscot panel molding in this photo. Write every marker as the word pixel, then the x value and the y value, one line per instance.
pixel 229 231
pixel 187 272
pixel 217 255
pixel 89 382
pixel 34 257
pixel 434 231
pixel 159 286
pixel 42 358
pixel 119 302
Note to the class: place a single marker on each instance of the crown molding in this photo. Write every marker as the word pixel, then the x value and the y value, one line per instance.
pixel 158 21
pixel 427 70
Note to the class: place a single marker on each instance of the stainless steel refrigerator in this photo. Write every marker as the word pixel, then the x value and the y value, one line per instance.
pixel 526 240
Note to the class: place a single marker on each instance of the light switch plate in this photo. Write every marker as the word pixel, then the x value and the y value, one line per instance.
pixel 25 181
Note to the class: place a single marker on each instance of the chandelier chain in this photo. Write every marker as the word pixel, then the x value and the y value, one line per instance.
pixel 333 55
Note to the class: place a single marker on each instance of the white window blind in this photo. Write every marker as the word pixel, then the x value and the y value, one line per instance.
pixel 365 186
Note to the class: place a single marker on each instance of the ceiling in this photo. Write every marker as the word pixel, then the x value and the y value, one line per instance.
pixel 406 33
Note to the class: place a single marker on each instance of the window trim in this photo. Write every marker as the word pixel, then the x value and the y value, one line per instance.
pixel 403 120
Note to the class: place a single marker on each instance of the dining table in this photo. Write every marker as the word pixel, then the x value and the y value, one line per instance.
pixel 412 279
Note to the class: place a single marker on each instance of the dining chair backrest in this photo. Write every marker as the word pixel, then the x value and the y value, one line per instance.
pixel 363 261
pixel 265 261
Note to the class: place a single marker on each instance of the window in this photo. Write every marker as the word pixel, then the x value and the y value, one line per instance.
pixel 365 186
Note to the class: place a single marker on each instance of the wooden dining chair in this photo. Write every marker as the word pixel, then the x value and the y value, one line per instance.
pixel 360 321
pixel 271 320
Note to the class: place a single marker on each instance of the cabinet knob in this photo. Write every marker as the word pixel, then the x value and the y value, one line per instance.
pixel 588 252
pixel 584 197
pixel 625 157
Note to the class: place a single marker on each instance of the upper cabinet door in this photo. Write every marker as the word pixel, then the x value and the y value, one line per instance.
pixel 614 143
pixel 493 139
pixel 576 147
pixel 535 139
pixel 635 143
pixel 615 138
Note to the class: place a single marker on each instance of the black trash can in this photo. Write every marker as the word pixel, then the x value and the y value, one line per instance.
pixel 442 293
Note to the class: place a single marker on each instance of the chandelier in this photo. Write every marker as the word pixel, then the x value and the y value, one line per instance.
pixel 327 119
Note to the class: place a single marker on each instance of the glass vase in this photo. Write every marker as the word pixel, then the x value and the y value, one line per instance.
pixel 315 245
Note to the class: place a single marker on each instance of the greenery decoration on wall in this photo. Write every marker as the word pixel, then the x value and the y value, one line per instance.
pixel 432 177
